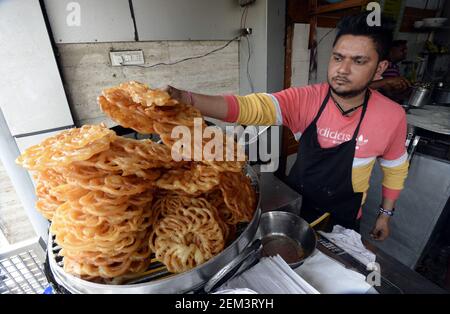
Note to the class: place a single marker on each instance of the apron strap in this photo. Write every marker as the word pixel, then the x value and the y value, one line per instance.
pixel 322 107
pixel 366 101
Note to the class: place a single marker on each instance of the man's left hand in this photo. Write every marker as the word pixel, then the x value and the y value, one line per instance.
pixel 381 230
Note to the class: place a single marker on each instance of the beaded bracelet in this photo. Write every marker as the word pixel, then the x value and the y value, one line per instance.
pixel 387 212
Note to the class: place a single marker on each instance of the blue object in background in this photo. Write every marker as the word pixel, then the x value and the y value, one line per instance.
pixel 334 1
pixel 48 290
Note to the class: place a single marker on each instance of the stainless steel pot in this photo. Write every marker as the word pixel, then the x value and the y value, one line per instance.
pixel 420 96
pixel 288 235
pixel 279 232
pixel 441 96
pixel 180 283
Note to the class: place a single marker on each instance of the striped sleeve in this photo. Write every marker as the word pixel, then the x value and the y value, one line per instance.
pixel 290 107
pixel 394 163
pixel 254 109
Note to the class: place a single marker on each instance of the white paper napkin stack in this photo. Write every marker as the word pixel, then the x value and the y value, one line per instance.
pixel 271 275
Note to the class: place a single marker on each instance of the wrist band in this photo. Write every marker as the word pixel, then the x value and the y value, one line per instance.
pixel 387 212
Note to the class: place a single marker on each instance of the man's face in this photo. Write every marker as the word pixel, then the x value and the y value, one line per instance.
pixel 398 53
pixel 353 65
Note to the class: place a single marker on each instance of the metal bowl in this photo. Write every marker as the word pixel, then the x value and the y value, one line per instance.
pixel 288 235
pixel 177 283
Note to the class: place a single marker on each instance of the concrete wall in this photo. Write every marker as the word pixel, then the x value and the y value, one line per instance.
pixel 86 67
pixel 276 11
pixel 301 58
pixel 112 20
pixel 29 78
pixel 253 73
pixel 187 20
pixel 266 67
pixel 86 70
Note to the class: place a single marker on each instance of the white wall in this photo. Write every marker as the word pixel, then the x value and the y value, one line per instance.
pixel 266 67
pixel 276 12
pixel 301 57
pixel 257 20
pixel 111 20
pixel 187 20
pixel 160 20
pixel 30 84
pixel 100 20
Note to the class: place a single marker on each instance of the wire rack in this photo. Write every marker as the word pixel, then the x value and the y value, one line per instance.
pixel 21 268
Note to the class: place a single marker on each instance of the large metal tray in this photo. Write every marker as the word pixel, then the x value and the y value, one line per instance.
pixel 170 283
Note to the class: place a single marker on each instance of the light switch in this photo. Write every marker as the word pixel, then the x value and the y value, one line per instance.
pixel 126 57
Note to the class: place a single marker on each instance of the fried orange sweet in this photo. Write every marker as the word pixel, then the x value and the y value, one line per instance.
pixel 68 146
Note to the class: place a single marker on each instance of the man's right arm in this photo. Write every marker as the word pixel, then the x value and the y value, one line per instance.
pixel 253 109
pixel 211 106
pixel 292 107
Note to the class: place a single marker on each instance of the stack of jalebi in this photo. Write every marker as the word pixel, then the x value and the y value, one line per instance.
pixel 188 232
pixel 97 189
pixel 228 198
pixel 114 201
pixel 146 110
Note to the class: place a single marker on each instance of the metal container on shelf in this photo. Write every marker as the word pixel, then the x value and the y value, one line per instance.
pixel 189 281
pixel 420 95
pixel 441 94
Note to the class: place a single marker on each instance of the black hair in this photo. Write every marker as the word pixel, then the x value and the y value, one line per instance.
pixel 357 25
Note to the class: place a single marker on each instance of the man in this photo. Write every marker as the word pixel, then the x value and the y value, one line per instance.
pixel 342 127
pixel 393 85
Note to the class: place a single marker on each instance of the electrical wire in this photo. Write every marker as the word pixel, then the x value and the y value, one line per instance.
pixel 313 64
pixel 249 51
pixel 243 22
pixel 185 59
pixel 323 37
pixel 249 77
pixel 242 17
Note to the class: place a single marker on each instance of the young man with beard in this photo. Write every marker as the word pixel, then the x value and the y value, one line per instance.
pixel 342 127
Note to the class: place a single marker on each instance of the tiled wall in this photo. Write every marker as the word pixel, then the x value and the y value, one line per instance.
pixel 86 70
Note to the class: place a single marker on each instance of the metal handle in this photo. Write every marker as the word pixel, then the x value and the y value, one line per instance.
pixel 230 269
pixel 413 147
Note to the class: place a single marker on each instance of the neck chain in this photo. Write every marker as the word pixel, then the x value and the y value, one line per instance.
pixel 346 112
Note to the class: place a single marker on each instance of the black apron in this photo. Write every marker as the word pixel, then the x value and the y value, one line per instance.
pixel 324 176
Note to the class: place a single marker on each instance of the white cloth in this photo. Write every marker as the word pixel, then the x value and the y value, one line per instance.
pixel 330 277
pixel 350 241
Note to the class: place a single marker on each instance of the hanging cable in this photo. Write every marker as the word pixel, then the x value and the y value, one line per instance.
pixel 186 59
pixel 242 25
pixel 323 37
pixel 249 51
pixel 249 77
